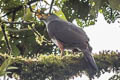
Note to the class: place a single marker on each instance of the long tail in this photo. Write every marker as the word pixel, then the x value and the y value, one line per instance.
pixel 89 58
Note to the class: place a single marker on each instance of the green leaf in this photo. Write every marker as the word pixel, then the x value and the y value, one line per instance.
pixel 1 35
pixel 12 67
pixel 92 23
pixel 28 15
pixel 101 11
pixel 4 66
pixel 79 22
pixel 60 14
pixel 15 50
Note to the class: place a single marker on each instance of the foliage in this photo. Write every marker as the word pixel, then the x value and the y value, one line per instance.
pixel 28 36
pixel 62 68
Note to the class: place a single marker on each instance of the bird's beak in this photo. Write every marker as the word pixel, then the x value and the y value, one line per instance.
pixel 42 16
pixel 39 15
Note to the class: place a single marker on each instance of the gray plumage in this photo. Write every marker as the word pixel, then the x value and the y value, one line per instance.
pixel 70 36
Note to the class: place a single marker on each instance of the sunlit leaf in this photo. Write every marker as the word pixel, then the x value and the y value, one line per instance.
pixel 4 66
pixel 12 67
pixel 92 23
pixel 60 14
pixel 79 22
pixel 101 11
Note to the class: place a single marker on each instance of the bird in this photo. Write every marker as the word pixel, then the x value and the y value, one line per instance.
pixel 67 35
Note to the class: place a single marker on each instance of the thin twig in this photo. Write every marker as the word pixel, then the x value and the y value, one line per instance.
pixel 17 22
pixel 111 13
pixel 46 2
pixel 6 39
pixel 25 11
pixel 35 31
pixel 16 30
pixel 51 6
pixel 28 23
pixel 13 18
pixel 31 9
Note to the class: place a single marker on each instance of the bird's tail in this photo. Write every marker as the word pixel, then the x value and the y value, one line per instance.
pixel 89 58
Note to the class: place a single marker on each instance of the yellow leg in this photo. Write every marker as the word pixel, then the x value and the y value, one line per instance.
pixel 61 48
pixel 62 53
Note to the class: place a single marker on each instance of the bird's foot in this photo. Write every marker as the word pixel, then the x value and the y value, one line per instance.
pixel 62 54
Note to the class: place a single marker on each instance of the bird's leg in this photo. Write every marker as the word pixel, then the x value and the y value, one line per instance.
pixel 61 48
pixel 62 52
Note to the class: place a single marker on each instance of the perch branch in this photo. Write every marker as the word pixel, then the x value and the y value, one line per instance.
pixel 62 68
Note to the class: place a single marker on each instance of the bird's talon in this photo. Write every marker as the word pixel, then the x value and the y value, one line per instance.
pixel 61 55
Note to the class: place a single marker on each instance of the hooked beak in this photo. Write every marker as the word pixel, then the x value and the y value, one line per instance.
pixel 39 16
pixel 42 16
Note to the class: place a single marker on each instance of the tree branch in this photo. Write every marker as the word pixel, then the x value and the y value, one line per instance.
pixel 111 13
pixel 15 30
pixel 51 6
pixel 27 23
pixel 6 39
pixel 13 18
pixel 17 22
pixel 62 68
pixel 19 7
pixel 35 31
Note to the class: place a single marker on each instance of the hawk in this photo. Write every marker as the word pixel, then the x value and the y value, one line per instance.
pixel 66 35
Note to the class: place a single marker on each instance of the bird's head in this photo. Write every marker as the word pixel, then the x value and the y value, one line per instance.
pixel 45 17
pixel 42 16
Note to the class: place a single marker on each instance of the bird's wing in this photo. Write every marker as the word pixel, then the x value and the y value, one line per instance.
pixel 67 32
